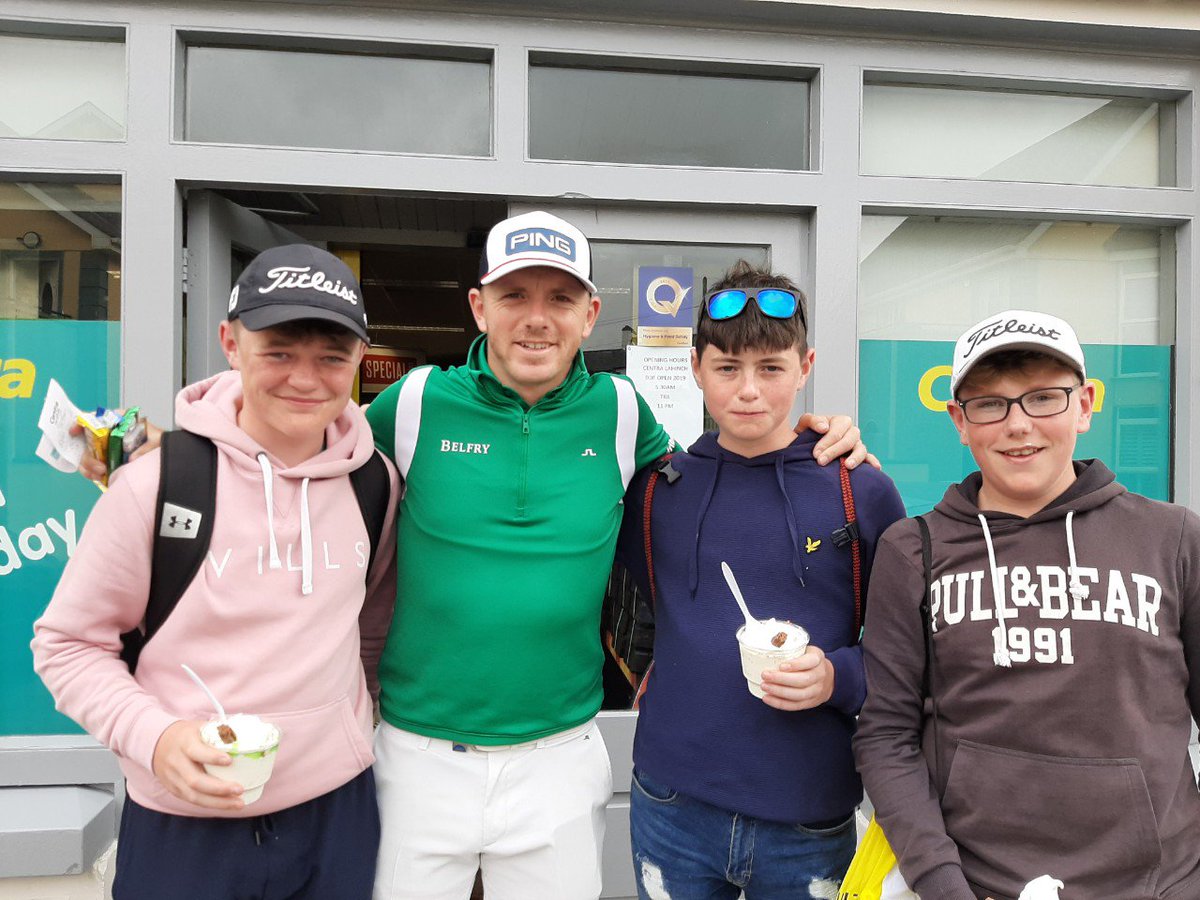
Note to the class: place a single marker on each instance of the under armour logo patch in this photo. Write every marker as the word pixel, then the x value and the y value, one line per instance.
pixel 588 452
pixel 179 522
pixel 810 545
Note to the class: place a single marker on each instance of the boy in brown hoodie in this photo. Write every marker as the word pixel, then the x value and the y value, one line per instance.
pixel 1046 733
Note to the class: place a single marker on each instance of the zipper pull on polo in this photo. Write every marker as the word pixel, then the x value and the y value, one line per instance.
pixel 525 423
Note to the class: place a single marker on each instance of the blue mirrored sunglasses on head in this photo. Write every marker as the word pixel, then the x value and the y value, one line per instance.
pixel 777 303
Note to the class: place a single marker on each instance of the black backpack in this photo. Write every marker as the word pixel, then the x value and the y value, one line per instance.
pixel 188 483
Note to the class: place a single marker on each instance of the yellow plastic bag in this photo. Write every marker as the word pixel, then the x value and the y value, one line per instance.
pixel 873 874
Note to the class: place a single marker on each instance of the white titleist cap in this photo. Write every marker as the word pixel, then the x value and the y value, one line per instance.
pixel 1015 329
pixel 536 239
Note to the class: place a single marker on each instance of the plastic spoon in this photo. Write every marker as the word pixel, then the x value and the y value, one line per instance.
pixel 751 622
pixel 208 693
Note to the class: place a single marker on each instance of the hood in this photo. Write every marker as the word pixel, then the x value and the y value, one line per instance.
pixel 798 451
pixel 1094 486
pixel 210 408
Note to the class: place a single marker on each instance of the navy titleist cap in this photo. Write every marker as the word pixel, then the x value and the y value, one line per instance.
pixel 298 281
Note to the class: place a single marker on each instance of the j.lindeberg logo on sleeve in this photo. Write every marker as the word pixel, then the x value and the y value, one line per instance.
pixel 995 329
pixel 304 277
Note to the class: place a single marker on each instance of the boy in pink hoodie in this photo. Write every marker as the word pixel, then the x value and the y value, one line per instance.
pixel 274 621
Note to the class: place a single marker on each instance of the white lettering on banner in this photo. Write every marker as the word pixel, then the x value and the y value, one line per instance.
pixel 389 368
pixel 299 277
pixel 36 542
pixel 1121 599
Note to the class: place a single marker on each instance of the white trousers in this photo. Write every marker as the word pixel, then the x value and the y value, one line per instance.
pixel 530 816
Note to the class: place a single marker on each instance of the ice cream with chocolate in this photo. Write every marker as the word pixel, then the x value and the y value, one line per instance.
pixel 764 644
pixel 251 743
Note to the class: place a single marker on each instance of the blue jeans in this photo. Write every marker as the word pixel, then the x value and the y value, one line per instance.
pixel 684 849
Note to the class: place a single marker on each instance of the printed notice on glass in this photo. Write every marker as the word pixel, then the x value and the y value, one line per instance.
pixel 663 376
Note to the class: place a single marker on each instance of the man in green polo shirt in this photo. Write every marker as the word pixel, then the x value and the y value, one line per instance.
pixel 515 465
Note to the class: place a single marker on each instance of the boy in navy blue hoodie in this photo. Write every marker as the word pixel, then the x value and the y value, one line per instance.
pixel 732 792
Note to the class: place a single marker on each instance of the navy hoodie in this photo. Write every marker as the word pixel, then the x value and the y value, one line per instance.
pixel 772 518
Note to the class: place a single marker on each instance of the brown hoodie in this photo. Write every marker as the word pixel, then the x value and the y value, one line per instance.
pixel 1064 651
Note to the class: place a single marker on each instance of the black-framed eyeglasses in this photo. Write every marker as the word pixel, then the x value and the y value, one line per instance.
pixel 778 303
pixel 1037 404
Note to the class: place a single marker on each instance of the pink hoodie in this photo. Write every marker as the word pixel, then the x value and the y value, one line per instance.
pixel 271 622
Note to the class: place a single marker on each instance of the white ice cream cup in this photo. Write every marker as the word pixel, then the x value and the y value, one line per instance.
pixel 756 658
pixel 253 758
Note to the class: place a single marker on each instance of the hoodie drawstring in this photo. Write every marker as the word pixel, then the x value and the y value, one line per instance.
pixel 268 494
pixel 793 528
pixel 1079 590
pixel 306 585
pixel 306 564
pixel 693 560
pixel 1000 632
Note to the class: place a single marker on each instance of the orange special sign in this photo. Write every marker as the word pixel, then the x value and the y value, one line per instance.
pixel 382 366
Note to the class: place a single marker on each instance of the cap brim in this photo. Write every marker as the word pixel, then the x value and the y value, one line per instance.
pixel 527 262
pixel 1020 345
pixel 279 313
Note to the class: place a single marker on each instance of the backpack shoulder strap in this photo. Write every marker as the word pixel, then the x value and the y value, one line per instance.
pixel 926 608
pixel 183 524
pixel 661 467
pixel 627 619
pixel 371 489
pixel 849 534
pixel 926 612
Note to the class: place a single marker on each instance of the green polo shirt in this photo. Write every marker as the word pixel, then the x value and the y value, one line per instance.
pixel 505 541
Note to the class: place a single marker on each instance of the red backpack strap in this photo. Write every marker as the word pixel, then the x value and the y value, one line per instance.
pixel 849 534
pixel 662 466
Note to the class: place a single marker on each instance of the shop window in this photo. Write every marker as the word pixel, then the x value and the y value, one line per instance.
pixel 622 270
pixel 668 113
pixel 925 279
pixel 62 88
pixel 1003 133
pixel 60 310
pixel 366 101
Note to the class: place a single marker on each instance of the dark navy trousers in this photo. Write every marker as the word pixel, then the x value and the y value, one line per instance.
pixel 320 850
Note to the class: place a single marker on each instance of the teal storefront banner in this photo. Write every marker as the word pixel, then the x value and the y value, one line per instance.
pixel 904 386
pixel 41 510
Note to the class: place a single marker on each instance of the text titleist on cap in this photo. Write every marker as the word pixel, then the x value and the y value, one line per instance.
pixel 300 277
pixel 997 328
